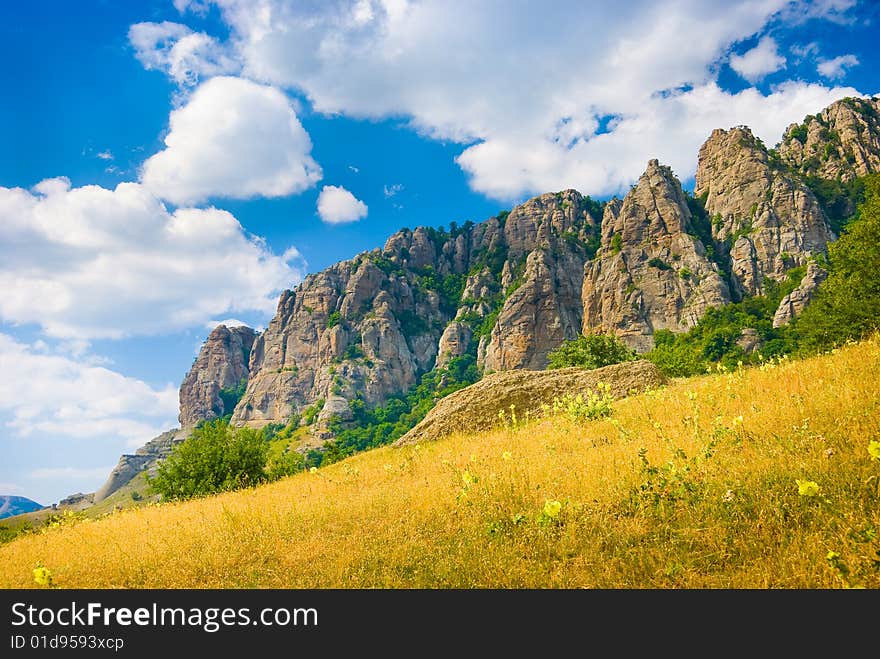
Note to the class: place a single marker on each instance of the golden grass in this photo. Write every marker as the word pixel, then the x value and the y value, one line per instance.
pixel 411 518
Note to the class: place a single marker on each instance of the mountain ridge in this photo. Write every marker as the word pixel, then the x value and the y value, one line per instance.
pixel 502 293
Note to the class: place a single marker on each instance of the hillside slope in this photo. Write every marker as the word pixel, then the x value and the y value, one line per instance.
pixel 693 485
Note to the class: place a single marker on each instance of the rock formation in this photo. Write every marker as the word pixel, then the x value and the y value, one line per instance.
pixel 650 273
pixel 842 142
pixel 768 220
pixel 369 327
pixel 221 366
pixel 145 459
pixel 795 302
pixel 477 407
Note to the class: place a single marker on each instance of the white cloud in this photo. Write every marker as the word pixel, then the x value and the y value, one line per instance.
pixel 104 155
pixel 671 128
pixel 235 139
pixel 758 62
pixel 525 86
pixel 184 55
pixel 229 322
pixel 336 205
pixel 836 11
pixel 802 52
pixel 91 262
pixel 836 68
pixel 10 488
pixel 71 473
pixel 62 397
pixel 392 190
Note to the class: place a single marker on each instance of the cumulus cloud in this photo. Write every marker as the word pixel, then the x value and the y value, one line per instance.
pixel 229 322
pixel 184 55
pixel 518 85
pixel 758 62
pixel 671 128
pixel 62 397
pixel 836 68
pixel 71 473
pixel 235 139
pixel 336 205
pixel 91 262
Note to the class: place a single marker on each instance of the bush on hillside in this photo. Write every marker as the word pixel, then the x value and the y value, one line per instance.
pixel 847 304
pixel 215 458
pixel 590 351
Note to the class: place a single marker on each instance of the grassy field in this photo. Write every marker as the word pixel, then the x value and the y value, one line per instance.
pixel 759 478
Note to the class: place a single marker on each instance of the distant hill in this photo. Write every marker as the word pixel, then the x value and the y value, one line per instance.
pixel 10 505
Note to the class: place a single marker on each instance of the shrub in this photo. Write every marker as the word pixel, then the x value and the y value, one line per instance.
pixel 660 264
pixel 590 351
pixel 334 319
pixel 215 458
pixel 580 407
pixel 286 464
pixel 847 304
pixel 311 412
pixel 616 243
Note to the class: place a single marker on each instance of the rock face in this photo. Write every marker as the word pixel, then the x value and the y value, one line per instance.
pixel 795 302
pixel 503 292
pixel 146 458
pixel 650 273
pixel 221 365
pixel 476 407
pixel 769 221
pixel 840 143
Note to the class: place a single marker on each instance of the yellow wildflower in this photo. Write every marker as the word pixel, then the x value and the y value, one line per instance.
pixel 807 488
pixel 552 508
pixel 874 449
pixel 507 455
pixel 42 576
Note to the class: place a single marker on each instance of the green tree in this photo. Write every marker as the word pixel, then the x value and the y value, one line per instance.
pixel 590 351
pixel 215 458
pixel 847 304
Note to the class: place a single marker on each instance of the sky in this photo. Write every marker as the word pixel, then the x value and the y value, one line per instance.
pixel 168 165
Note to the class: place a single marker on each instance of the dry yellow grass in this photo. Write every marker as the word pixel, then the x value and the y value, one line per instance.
pixel 461 513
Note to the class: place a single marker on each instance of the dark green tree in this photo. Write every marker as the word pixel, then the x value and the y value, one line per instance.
pixel 847 304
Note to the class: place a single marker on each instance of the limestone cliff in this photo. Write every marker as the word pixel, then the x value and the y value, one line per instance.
pixel 768 220
pixel 221 366
pixel 651 273
pixel 504 292
pixel 842 142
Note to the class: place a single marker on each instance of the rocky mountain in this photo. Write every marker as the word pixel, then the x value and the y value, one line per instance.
pixel 13 505
pixel 209 390
pixel 652 272
pixel 842 142
pixel 219 369
pixel 501 294
pixel 770 221
pixel 507 291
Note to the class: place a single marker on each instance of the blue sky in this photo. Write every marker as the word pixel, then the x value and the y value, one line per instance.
pixel 171 164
